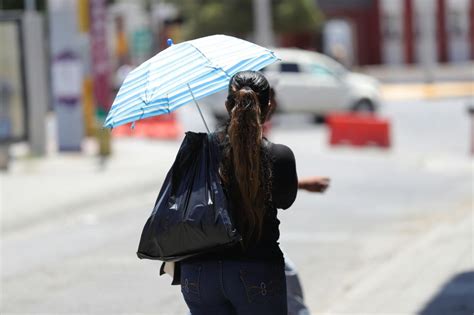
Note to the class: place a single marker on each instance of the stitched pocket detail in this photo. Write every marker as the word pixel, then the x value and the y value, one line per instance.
pixel 190 278
pixel 261 284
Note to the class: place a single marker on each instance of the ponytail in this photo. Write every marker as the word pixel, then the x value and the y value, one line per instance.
pixel 245 141
pixel 245 168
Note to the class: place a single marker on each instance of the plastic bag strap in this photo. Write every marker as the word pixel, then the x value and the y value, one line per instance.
pixel 214 146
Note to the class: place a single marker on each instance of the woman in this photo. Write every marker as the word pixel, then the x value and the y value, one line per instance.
pixel 259 177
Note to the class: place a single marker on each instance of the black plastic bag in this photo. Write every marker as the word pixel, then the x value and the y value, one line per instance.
pixel 191 214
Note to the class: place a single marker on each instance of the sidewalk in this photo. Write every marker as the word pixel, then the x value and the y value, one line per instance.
pixel 416 73
pixel 408 82
pixel 428 91
pixel 434 275
pixel 35 189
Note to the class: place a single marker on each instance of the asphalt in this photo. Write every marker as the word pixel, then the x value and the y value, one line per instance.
pixel 433 274
pixel 34 190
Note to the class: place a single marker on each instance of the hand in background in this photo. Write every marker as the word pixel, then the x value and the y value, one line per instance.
pixel 314 184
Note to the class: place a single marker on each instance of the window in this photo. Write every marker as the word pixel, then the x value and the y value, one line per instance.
pixel 321 71
pixel 289 67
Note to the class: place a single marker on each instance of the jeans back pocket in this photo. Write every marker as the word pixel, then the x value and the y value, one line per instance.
pixel 190 277
pixel 262 284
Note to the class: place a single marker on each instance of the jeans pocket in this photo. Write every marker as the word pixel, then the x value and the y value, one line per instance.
pixel 190 277
pixel 263 284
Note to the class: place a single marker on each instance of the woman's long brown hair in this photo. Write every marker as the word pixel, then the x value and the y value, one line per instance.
pixel 245 168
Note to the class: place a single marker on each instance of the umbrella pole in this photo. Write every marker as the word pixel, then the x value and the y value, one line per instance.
pixel 199 109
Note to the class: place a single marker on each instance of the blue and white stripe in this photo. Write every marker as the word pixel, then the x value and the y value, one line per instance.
pixel 160 84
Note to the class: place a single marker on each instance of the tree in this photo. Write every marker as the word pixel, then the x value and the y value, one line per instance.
pixel 296 16
pixel 234 17
pixel 20 5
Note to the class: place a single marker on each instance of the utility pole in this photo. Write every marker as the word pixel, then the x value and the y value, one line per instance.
pixel 66 72
pixel 262 16
pixel 36 77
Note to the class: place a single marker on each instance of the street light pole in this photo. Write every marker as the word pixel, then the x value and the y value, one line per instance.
pixel 262 16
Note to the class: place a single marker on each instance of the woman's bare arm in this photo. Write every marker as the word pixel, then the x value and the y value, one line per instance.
pixel 314 184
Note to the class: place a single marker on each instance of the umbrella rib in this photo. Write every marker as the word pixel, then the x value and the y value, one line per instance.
pixel 210 62
pixel 199 109
pixel 168 103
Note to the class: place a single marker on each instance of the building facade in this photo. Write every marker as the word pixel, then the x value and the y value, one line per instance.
pixel 399 31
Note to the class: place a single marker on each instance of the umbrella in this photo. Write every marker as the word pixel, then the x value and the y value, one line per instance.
pixel 182 73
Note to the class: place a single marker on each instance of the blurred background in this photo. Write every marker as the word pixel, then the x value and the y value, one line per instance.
pixel 378 95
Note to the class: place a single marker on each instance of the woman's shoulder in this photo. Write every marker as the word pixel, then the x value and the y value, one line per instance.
pixel 218 135
pixel 280 151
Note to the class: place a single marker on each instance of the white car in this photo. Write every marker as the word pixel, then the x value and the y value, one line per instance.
pixel 309 82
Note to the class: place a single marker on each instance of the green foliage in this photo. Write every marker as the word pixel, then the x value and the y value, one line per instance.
pixel 235 17
pixel 294 16
pixel 206 17
pixel 20 5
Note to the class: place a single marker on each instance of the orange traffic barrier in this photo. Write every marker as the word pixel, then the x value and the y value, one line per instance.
pixel 157 127
pixel 359 130
pixel 122 131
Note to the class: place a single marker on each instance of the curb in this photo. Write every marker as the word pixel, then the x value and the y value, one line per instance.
pixel 417 91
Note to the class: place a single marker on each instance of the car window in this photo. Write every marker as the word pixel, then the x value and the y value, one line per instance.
pixel 289 67
pixel 336 67
pixel 321 71
pixel 270 68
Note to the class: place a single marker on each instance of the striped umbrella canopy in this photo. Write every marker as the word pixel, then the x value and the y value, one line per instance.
pixel 189 70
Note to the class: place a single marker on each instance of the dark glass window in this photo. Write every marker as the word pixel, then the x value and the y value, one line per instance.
pixel 289 67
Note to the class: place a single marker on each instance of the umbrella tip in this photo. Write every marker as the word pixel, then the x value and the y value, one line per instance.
pixel 169 42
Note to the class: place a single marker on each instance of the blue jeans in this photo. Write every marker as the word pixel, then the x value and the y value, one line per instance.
pixel 221 287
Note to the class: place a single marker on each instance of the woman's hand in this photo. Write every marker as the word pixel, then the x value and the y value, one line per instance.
pixel 314 184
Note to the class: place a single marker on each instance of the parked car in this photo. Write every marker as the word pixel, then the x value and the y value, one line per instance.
pixel 310 82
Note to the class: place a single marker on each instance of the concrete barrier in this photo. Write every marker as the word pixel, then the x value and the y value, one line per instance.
pixel 359 130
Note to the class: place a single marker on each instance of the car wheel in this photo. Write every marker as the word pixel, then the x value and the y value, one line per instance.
pixel 364 106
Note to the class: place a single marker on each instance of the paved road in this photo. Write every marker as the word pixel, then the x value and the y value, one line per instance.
pixel 380 203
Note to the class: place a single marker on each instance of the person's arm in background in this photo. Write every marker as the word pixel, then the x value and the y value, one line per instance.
pixel 314 184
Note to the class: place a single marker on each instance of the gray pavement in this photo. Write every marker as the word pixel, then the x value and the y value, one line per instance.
pixel 393 235
pixel 380 202
pixel 35 189
pixel 414 273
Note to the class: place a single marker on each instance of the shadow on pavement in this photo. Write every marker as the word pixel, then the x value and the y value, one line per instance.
pixel 456 297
